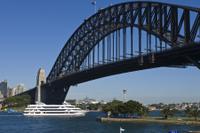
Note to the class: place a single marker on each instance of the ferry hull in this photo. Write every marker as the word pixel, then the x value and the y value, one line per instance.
pixel 67 115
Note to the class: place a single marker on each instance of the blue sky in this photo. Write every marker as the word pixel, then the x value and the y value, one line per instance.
pixel 32 33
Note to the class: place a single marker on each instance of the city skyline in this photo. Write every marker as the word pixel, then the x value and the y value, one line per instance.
pixel 6 91
pixel 33 33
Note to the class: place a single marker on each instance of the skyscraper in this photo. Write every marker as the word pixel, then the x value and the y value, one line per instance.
pixel 4 88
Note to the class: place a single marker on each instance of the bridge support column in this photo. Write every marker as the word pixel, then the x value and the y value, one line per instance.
pixel 41 79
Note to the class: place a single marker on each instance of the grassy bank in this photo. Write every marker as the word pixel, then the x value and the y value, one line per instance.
pixel 19 109
pixel 17 103
pixel 182 120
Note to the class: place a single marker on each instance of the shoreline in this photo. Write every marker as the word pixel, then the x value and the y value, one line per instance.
pixel 149 120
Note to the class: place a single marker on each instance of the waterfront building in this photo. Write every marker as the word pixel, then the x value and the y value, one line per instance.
pixel 88 101
pixel 10 92
pixel 4 88
pixel 14 91
pixel 103 102
pixel 71 101
pixel 152 108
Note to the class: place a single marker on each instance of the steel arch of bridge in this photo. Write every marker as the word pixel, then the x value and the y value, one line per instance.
pixel 171 26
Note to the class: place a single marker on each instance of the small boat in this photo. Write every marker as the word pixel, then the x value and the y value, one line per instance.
pixel 11 111
pixel 41 109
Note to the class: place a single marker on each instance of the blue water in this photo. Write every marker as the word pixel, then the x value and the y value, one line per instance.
pixel 17 123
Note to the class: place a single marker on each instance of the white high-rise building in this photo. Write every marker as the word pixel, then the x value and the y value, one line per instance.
pixel 19 89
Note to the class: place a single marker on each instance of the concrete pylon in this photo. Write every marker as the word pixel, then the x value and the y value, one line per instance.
pixel 41 79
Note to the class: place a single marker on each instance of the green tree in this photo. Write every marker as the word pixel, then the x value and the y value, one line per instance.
pixel 167 111
pixel 143 111
pixel 134 107
pixel 131 107
pixel 113 107
pixel 193 112
pixel 17 101
pixel 122 109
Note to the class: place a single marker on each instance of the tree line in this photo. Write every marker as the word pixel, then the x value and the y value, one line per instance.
pixel 17 101
pixel 131 108
pixel 189 111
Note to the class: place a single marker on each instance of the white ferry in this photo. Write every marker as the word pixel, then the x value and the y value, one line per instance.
pixel 41 109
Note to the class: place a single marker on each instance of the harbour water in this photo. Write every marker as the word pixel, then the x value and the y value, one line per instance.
pixel 17 123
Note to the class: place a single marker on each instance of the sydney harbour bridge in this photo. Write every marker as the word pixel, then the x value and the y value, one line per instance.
pixel 123 38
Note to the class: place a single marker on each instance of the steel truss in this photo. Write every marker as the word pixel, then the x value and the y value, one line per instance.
pixel 125 31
